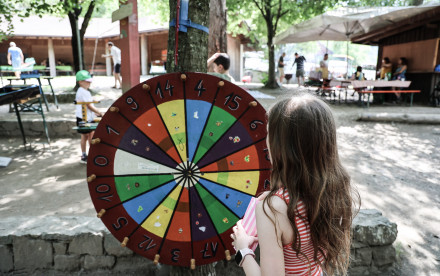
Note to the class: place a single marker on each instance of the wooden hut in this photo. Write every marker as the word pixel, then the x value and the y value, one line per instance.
pixel 49 38
pixel 416 38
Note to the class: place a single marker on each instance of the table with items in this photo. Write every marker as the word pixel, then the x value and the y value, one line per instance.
pixel 38 77
pixel 24 98
pixel 367 87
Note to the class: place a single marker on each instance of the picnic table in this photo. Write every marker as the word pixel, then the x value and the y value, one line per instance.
pixel 38 77
pixel 370 84
pixel 380 83
pixel 23 98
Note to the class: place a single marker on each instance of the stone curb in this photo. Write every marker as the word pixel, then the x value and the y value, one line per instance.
pixel 82 245
pixel 431 119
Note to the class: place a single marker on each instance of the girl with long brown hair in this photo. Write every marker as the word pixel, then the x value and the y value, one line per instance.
pixel 303 223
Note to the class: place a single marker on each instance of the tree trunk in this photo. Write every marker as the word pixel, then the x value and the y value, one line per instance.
pixel 271 82
pixel 73 19
pixel 217 27
pixel 192 45
pixel 192 57
pixel 75 51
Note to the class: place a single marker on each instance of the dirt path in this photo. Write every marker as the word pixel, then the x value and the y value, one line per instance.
pixel 394 166
pixel 396 170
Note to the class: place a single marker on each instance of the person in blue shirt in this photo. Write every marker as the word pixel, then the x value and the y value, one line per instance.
pixel 399 74
pixel 15 58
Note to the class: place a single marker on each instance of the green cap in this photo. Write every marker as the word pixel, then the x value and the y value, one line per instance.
pixel 83 75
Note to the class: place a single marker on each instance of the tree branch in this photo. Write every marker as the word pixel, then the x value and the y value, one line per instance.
pixel 259 7
pixel 279 15
pixel 87 18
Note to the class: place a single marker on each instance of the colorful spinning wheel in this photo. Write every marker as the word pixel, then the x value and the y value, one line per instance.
pixel 174 164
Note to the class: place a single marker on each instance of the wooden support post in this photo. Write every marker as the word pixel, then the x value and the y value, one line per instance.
pixel 51 55
pixel 241 61
pixel 144 55
pixel 129 42
pixel 108 60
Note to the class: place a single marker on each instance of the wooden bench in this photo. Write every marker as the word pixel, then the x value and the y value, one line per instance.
pixel 369 92
pixel 323 90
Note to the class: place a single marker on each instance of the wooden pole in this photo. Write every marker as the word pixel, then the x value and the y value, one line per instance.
pixel 144 55
pixel 130 65
pixel 51 55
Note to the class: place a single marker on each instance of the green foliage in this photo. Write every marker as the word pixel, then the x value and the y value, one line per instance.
pixel 264 78
pixel 21 9
pixel 267 18
pixel 297 11
pixel 158 11
pixel 7 10
pixel 105 11
pixel 24 8
pixel 292 12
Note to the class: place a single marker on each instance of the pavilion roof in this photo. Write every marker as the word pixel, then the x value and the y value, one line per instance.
pixel 428 15
pixel 50 26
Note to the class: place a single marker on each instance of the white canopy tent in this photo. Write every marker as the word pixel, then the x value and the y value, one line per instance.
pixel 344 23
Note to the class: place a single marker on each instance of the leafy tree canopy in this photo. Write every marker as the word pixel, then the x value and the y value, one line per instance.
pixel 292 12
pixel 158 11
pixel 22 9
pixel 296 11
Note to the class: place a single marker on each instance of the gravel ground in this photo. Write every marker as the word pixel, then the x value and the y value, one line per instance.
pixel 395 168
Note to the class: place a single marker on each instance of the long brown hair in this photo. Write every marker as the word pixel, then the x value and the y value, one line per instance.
pixel 305 161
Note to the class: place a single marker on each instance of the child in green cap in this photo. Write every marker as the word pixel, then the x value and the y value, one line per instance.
pixel 83 95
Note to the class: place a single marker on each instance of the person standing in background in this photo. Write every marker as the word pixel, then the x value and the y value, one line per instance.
pixel 115 53
pixel 299 60
pixel 323 64
pixel 15 58
pixel 281 67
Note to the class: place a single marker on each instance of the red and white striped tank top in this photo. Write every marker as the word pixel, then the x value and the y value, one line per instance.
pixel 298 265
